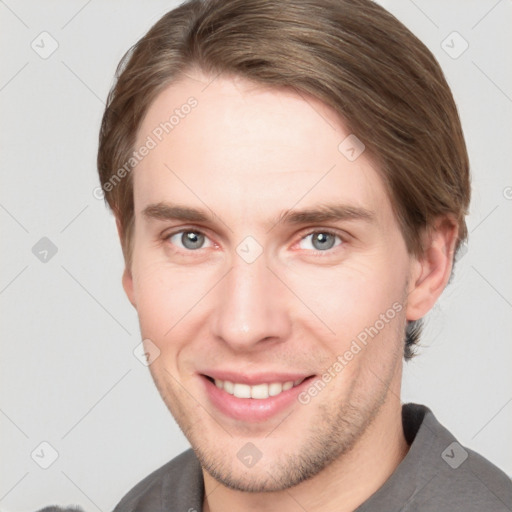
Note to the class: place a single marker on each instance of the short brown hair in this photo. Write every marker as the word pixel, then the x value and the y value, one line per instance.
pixel 353 55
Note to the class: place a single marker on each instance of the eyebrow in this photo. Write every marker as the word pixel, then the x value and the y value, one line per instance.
pixel 319 213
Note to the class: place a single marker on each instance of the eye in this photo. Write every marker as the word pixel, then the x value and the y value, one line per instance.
pixel 320 241
pixel 189 239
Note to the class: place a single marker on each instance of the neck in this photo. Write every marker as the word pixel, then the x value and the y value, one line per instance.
pixel 342 486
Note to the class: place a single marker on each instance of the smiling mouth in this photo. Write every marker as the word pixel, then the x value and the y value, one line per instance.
pixel 257 391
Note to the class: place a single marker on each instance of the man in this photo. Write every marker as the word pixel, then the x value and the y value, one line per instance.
pixel 290 182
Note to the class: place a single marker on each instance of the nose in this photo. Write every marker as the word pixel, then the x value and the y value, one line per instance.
pixel 251 307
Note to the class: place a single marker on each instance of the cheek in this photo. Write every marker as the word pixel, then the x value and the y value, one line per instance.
pixel 350 297
pixel 167 298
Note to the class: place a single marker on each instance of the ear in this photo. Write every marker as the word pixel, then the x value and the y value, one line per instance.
pixel 127 278
pixel 431 271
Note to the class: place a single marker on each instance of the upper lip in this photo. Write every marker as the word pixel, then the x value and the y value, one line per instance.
pixel 256 378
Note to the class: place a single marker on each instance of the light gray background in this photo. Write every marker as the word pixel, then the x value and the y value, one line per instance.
pixel 68 374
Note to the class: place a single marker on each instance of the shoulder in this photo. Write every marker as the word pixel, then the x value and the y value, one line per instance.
pixel 439 474
pixel 474 486
pixel 175 485
pixel 472 481
pixel 456 477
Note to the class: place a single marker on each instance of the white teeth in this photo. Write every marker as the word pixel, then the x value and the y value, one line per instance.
pixel 242 391
pixel 275 388
pixel 259 391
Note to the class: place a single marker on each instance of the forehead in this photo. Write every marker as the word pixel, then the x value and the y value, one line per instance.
pixel 243 149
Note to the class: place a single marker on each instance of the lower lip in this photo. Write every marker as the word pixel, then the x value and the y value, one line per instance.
pixel 252 409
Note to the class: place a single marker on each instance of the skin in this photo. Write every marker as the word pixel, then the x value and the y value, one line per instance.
pixel 247 153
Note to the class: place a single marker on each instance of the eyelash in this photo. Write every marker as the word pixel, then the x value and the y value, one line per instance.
pixel 327 252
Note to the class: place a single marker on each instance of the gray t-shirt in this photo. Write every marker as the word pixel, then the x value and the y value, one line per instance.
pixel 436 475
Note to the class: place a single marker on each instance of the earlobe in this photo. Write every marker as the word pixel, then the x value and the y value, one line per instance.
pixel 127 278
pixel 128 286
pixel 431 271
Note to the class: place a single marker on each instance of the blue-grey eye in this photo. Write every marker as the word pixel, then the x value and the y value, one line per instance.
pixel 192 240
pixel 321 240
pixel 188 239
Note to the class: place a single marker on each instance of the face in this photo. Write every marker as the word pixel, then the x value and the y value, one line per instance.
pixel 262 258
